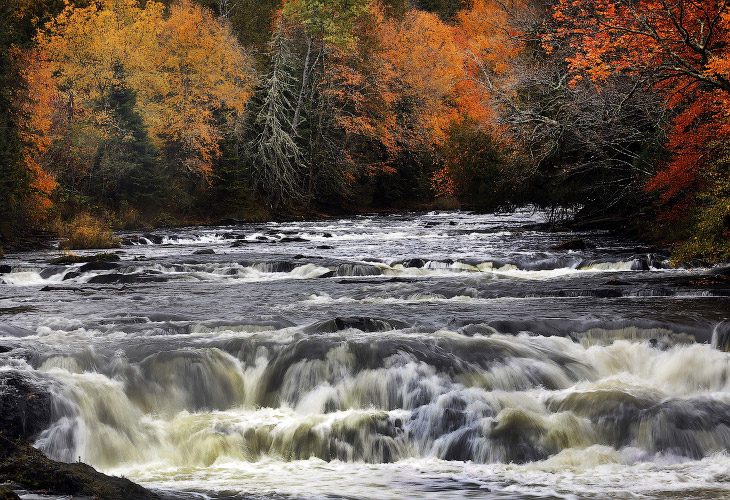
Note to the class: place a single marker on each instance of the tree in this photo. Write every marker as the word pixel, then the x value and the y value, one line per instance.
pixel 184 74
pixel 680 47
pixel 273 156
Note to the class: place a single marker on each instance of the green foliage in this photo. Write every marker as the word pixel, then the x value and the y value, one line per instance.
pixel 128 161
pixel 445 9
pixel 13 180
pixel 480 167
pixel 710 230
pixel 332 21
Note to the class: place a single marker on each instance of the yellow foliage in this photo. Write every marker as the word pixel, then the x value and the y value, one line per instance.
pixel 86 231
pixel 186 69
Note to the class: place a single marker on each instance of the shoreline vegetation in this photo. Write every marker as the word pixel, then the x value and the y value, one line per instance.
pixel 119 114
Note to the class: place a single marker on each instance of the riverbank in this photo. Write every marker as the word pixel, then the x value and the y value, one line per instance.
pixel 24 467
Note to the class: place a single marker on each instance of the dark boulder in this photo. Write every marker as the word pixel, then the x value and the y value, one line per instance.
pixel 107 279
pixel 721 271
pixel 417 263
pixel 721 336
pixel 205 251
pixel 361 323
pixel 71 258
pixel 154 238
pixel 5 269
pixel 640 265
pixel 577 244
pixel 8 494
pixel 25 404
pixel 230 222
pixel 52 271
pixel 71 275
pixel 98 266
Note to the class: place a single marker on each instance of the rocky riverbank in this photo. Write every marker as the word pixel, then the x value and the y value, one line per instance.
pixel 25 410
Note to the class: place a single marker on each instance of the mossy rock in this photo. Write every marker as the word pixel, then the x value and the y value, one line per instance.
pixel 8 494
pixel 72 258
pixel 22 464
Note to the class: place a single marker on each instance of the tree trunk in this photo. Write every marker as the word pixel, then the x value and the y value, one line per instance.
pixel 302 91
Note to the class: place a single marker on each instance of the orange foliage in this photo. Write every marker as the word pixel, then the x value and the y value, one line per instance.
pixel 33 108
pixel 682 47
pixel 185 68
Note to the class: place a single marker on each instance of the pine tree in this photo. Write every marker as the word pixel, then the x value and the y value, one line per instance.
pixel 128 166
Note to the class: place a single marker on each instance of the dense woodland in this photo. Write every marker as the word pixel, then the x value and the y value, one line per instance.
pixel 135 112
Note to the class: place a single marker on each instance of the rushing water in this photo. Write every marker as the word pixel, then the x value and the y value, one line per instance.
pixel 440 355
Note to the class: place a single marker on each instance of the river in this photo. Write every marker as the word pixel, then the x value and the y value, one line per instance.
pixel 433 355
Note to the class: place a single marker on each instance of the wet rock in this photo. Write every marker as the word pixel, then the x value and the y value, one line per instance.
pixel 721 336
pixel 230 222
pixel 52 271
pixel 577 244
pixel 640 265
pixel 656 344
pixel 154 238
pixel 71 258
pixel 655 262
pixel 293 239
pixel 25 404
pixel 71 275
pixel 325 247
pixel 205 251
pixel 417 263
pixel 361 323
pixel 5 269
pixel 14 331
pixel 22 464
pixel 118 278
pixel 358 270
pixel 721 271
pixel 617 282
pixel 8 494
pixel 98 266
pixel 131 240
pixel 60 289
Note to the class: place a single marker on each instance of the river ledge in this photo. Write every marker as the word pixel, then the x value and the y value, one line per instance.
pixel 22 467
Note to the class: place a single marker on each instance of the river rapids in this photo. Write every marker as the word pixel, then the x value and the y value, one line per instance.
pixel 439 355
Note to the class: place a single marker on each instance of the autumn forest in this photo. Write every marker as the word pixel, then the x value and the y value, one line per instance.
pixel 133 113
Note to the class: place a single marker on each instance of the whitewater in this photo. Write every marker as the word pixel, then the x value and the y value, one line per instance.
pixel 419 355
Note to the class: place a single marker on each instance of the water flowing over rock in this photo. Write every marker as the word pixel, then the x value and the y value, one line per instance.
pixel 408 357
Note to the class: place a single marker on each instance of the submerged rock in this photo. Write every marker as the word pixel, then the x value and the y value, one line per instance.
pixel 577 244
pixel 98 266
pixel 205 251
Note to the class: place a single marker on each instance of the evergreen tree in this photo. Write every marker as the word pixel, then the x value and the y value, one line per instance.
pixel 127 163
